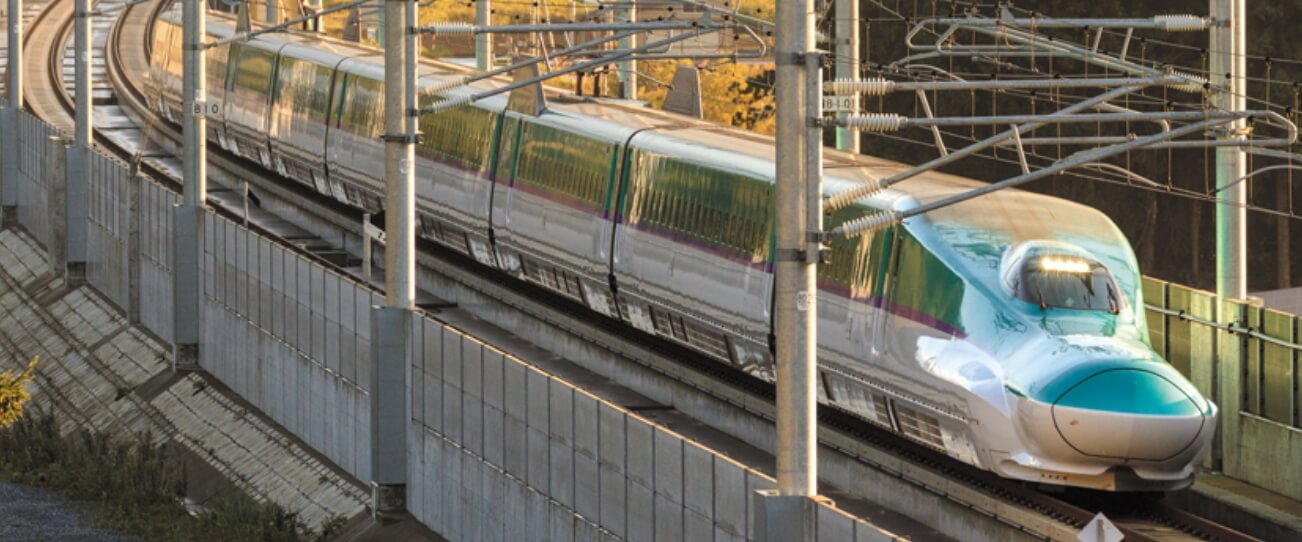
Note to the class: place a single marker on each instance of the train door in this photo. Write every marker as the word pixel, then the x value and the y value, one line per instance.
pixel 336 135
pixel 508 143
pixel 885 291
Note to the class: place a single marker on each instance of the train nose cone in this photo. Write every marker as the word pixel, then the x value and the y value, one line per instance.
pixel 1130 414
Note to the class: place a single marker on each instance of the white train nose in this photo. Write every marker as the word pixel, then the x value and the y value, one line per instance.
pixel 1129 414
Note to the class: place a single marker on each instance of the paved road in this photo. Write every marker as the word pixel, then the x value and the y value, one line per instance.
pixel 31 514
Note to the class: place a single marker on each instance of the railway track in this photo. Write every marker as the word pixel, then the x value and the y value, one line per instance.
pixel 1043 515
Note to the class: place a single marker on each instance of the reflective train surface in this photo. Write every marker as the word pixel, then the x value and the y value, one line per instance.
pixel 1007 332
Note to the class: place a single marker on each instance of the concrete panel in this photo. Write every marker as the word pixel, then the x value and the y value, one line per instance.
pixel 265 312
pixel 669 466
pixel 451 411
pixel 316 306
pixel 417 372
pixel 613 437
pixel 641 513
pixel 492 378
pixel 433 414
pixel 454 511
pixel 561 475
pixel 516 448
pixel 494 436
pixel 731 497
pixel 432 356
pixel 755 482
pixel 451 358
pixel 472 366
pixel 277 322
pixel 698 480
pixel 561 416
pixel 640 462
pixel 586 429
pixel 515 512
pixel 587 487
pixel 585 531
pixel 539 459
pixel 537 397
pixel 562 523
pixel 539 520
pixel 614 499
pixel 697 528
pixel 669 519
pixel 834 525
pixel 332 330
pixel 472 426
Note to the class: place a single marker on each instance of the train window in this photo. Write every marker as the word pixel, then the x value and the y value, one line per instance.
pixel 854 260
pixel 724 209
pixel 253 71
pixel 363 112
pixel 461 137
pixel 925 288
pixel 1067 282
pixel 564 163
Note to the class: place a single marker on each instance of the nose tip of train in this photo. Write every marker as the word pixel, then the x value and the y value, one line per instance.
pixel 1130 414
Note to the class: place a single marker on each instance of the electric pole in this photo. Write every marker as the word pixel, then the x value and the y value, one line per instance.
pixel 12 113
pixel 847 64
pixel 188 234
pixel 1228 65
pixel 78 171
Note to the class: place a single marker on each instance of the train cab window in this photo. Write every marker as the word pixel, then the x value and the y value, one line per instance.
pixel 1067 282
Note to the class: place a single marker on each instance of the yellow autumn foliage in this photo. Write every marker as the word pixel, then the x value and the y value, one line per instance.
pixel 13 393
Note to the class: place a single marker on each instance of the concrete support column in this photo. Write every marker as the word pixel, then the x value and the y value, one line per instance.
pixel 187 295
pixel 784 518
pixel 392 323
pixel 56 200
pixel 390 352
pixel 79 155
pixel 9 135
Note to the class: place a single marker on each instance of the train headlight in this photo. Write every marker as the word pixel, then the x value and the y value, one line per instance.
pixel 1064 264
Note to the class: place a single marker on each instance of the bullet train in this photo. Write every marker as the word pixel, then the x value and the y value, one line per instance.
pixel 1007 332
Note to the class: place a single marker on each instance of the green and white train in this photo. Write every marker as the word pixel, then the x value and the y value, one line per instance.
pixel 1007 331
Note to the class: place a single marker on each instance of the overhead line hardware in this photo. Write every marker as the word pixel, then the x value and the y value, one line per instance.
pixel 886 219
pixel 880 86
pixel 466 28
pixel 613 57
pixel 245 36
pixel 1169 23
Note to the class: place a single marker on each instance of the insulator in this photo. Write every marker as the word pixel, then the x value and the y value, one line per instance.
pixel 445 85
pixel 1196 83
pixel 873 86
pixel 450 28
pixel 1181 23
pixel 870 223
pixel 867 189
pixel 456 101
pixel 875 122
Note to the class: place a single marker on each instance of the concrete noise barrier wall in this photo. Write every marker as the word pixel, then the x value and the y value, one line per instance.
pixel 496 449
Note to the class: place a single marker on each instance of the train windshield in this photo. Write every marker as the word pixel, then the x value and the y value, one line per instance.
pixel 1068 283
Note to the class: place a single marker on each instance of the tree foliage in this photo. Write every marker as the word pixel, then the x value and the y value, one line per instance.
pixel 13 393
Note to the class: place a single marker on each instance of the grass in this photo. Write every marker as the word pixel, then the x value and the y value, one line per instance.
pixel 134 486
